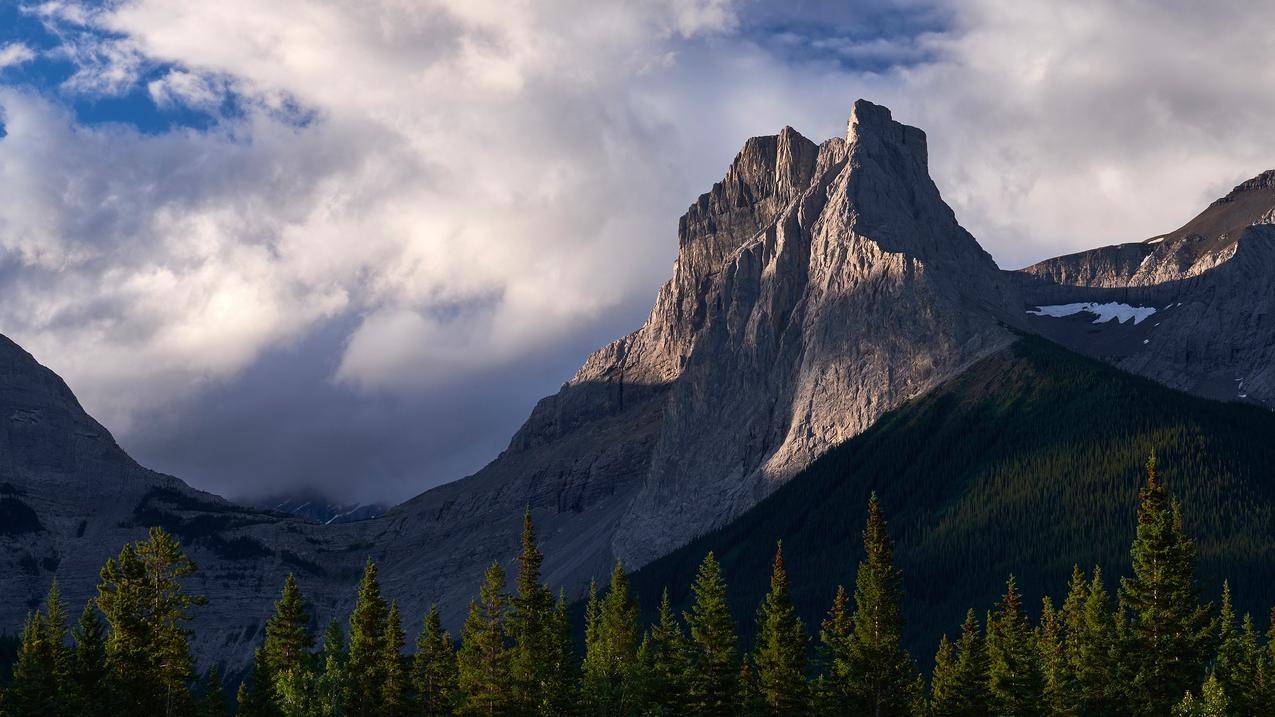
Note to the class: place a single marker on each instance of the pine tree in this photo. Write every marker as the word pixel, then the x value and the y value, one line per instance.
pixel 333 684
pixel 256 696
pixel 715 657
pixel 670 662
pixel 1059 684
pixel 1014 675
pixel 287 648
pixel 610 659
pixel 833 692
pixel 751 702
pixel 1093 658
pixel 560 696
pixel 880 673
pixel 88 667
pixel 214 702
pixel 56 631
pixel 1169 628
pixel 780 655
pixel 434 668
pixel 484 659
pixel 365 674
pixel 148 651
pixel 1212 702
pixel 971 694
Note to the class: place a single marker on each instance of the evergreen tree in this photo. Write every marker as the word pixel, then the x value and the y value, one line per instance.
pixel 560 696
pixel 287 648
pixel 751 701
pixel 434 668
pixel 33 691
pixel 1212 702
pixel 880 673
pixel 670 663
pixel 395 700
pixel 333 684
pixel 214 702
pixel 56 631
pixel 715 658
pixel 780 655
pixel 88 668
pixel 833 692
pixel 148 651
pixel 1236 662
pixel 944 696
pixel 364 669
pixel 972 696
pixel 1056 672
pixel 1093 657
pixel 536 661
pixel 256 696
pixel 484 659
pixel 610 660
pixel 1014 676
pixel 1169 628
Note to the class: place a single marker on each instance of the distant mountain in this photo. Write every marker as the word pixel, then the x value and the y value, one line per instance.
pixel 316 507
pixel 1025 464
pixel 817 288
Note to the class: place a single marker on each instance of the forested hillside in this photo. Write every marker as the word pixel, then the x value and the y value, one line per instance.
pixel 1028 463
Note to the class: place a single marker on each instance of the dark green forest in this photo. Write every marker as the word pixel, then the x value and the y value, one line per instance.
pixel 1027 463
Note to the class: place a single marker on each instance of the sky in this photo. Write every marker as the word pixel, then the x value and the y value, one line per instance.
pixel 347 244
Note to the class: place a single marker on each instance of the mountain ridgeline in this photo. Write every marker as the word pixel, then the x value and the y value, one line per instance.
pixel 829 329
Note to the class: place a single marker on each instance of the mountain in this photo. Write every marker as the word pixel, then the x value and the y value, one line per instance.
pixel 1027 463
pixel 1207 289
pixel 817 288
pixel 317 507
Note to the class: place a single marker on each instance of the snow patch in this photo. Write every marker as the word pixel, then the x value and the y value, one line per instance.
pixel 1103 312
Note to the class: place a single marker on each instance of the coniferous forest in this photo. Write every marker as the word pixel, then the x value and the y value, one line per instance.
pixel 1143 644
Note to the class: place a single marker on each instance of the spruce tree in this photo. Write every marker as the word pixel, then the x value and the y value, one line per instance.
pixel 879 671
pixel 780 655
pixel 1015 682
pixel 531 626
pixel 287 648
pixel 560 695
pixel 944 696
pixel 214 698
pixel 256 696
pixel 715 653
pixel 364 670
pixel 1094 657
pixel 88 666
pixel 1169 628
pixel 670 662
pixel 395 700
pixel 1212 702
pixel 1236 662
pixel 1059 684
pixel 610 661
pixel 484 659
pixel 434 668
pixel 971 694
pixel 143 598
pixel 751 702
pixel 833 692
pixel 33 691
pixel 56 632
pixel 333 684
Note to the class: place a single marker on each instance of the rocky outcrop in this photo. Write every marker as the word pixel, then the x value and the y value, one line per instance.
pixel 1212 283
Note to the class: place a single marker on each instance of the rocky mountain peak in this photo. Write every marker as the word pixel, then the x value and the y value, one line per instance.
pixel 1265 180
pixel 871 123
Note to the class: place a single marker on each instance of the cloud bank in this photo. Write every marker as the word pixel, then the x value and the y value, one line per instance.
pixel 406 220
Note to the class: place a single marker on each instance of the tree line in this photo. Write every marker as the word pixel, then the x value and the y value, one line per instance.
pixel 1146 645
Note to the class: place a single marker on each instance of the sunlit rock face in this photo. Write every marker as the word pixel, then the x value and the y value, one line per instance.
pixel 1210 282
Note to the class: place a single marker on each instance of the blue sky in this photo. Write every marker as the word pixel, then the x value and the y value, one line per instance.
pixel 346 246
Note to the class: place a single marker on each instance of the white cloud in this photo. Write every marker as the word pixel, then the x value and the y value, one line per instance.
pixel 15 53
pixel 478 179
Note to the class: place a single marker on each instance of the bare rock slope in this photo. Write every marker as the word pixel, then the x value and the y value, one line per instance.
pixel 1207 291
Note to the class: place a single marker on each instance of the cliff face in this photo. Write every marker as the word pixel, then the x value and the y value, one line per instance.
pixel 1211 284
